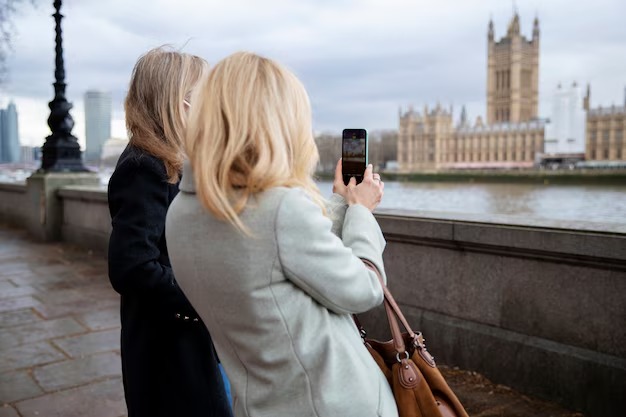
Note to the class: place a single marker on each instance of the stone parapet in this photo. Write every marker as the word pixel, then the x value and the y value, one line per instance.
pixel 44 208
pixel 538 307
pixel 12 203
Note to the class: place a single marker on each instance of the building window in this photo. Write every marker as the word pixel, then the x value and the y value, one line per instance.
pixel 606 154
pixel 526 77
pixel 605 135
pixel 618 154
pixel 593 154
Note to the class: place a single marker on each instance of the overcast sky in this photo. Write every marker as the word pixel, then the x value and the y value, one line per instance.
pixel 359 59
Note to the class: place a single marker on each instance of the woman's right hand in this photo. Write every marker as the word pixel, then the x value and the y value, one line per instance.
pixel 368 193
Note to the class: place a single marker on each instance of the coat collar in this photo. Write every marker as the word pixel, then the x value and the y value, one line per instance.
pixel 187 183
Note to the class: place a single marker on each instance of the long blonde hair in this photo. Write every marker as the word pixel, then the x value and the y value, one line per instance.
pixel 249 130
pixel 155 113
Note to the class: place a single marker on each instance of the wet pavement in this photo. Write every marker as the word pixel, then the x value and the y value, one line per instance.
pixel 59 340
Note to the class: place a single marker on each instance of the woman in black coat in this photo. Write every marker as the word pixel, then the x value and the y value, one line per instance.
pixel 168 362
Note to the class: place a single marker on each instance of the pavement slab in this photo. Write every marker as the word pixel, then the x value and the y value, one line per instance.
pixel 101 319
pixel 41 330
pixel 5 285
pixel 102 399
pixel 8 304
pixel 18 317
pixel 90 343
pixel 75 372
pixel 27 356
pixel 8 411
pixel 17 291
pixel 15 386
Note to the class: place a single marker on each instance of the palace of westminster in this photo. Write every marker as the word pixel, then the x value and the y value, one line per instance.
pixel 513 136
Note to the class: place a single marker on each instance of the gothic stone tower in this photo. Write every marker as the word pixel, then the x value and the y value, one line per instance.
pixel 512 75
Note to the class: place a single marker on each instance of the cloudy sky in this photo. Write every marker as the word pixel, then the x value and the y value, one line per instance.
pixel 359 59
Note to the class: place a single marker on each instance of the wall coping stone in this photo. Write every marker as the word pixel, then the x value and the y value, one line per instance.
pixel 509 220
pixel 17 187
pixel 84 193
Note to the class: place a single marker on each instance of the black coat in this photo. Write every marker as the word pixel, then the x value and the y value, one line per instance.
pixel 169 364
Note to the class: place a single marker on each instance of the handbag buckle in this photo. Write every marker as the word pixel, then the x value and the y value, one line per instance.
pixel 363 333
pixel 419 341
pixel 400 359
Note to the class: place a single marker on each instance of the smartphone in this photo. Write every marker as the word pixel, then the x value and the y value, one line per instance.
pixel 353 154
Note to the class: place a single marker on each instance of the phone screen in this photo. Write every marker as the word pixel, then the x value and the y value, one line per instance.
pixel 353 154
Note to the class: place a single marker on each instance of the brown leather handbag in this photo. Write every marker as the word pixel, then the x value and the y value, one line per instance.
pixel 418 387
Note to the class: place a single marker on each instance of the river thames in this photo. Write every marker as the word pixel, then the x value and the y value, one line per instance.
pixel 570 203
pixel 524 203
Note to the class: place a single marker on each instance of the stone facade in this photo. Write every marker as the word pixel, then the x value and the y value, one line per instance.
pixel 606 128
pixel 430 141
pixel 423 138
pixel 513 135
pixel 512 75
pixel 503 145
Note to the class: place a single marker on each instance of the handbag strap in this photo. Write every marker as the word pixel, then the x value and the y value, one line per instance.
pixel 389 298
pixel 393 314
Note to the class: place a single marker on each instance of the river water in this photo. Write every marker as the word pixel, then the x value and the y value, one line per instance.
pixel 570 203
pixel 520 203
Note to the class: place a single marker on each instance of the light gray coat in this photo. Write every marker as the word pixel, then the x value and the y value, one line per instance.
pixel 278 305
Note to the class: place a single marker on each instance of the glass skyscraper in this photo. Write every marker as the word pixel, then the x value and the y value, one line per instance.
pixel 9 138
pixel 97 123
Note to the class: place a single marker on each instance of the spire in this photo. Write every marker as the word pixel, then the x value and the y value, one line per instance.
pixel 514 26
pixel 490 31
pixel 463 116
pixel 587 99
pixel 536 28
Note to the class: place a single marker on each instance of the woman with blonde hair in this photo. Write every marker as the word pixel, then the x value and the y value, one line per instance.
pixel 253 246
pixel 169 366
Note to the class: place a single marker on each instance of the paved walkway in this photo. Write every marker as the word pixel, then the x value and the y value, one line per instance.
pixel 59 340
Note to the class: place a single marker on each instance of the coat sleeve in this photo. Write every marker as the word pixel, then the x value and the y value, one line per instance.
pixel 138 202
pixel 336 208
pixel 320 263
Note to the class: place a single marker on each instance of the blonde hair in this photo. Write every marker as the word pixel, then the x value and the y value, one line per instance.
pixel 250 130
pixel 155 113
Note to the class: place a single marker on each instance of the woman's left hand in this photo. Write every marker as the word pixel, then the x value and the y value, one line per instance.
pixel 350 192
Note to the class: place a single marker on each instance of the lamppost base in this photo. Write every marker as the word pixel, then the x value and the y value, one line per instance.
pixel 61 155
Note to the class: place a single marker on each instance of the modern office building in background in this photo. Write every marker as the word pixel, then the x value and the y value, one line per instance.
pixel 10 151
pixel 97 123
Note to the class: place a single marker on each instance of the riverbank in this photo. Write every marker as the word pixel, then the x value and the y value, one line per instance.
pixel 575 177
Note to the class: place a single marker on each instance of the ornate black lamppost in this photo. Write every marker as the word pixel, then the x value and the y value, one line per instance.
pixel 61 151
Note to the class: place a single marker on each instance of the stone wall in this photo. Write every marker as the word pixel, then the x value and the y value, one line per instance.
pixel 86 218
pixel 540 307
pixel 12 203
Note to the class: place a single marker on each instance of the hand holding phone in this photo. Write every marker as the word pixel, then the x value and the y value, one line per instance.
pixel 368 193
pixel 354 154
